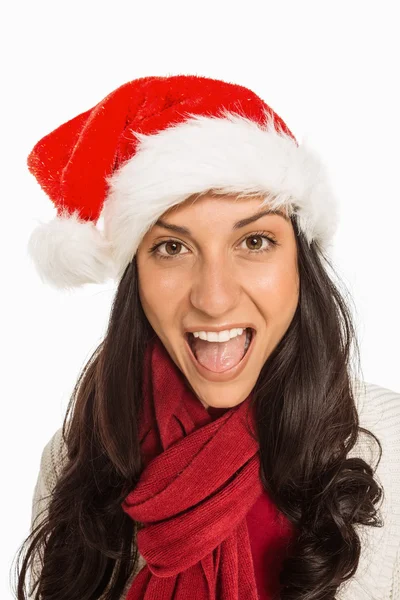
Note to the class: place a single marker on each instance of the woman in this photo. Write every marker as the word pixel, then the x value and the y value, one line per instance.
pixel 221 443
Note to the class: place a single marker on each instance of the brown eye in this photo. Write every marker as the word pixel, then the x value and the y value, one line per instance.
pixel 254 243
pixel 252 239
pixel 174 245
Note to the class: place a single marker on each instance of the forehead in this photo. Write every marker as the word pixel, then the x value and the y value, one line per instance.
pixel 251 201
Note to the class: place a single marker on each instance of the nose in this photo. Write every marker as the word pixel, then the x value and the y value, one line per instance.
pixel 215 290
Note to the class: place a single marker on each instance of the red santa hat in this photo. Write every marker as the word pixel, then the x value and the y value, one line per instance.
pixel 147 147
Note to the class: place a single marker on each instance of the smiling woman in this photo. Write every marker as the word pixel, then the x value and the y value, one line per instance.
pixel 220 438
pixel 219 275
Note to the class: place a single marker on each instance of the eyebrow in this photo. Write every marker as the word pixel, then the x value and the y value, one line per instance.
pixel 239 224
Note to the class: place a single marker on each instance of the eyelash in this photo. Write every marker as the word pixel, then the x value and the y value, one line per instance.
pixel 273 243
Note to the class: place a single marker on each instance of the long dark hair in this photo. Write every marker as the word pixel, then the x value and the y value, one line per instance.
pixel 307 422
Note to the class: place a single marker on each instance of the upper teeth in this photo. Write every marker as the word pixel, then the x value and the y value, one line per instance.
pixel 218 336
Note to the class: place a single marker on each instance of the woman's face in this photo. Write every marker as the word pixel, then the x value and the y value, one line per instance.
pixel 217 275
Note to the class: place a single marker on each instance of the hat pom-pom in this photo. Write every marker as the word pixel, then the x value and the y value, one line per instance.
pixel 69 252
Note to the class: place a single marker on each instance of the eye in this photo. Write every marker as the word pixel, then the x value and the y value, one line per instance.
pixel 270 244
pixel 167 243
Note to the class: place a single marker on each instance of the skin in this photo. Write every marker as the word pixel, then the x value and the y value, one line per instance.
pixel 216 277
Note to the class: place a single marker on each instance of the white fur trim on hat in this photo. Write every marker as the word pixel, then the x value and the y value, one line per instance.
pixel 69 252
pixel 230 154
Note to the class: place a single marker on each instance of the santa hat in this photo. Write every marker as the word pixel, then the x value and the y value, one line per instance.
pixel 147 147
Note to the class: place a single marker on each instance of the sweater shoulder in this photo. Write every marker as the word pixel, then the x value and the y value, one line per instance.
pixel 52 459
pixel 378 409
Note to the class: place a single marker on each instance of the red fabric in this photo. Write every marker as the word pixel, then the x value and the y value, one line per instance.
pixel 269 546
pixel 72 162
pixel 199 482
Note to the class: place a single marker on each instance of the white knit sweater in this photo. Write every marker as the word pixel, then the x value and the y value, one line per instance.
pixel 378 573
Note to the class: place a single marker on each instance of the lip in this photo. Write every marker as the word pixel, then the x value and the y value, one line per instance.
pixel 226 375
pixel 222 328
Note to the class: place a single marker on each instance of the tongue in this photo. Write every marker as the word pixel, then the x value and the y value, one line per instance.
pixel 219 356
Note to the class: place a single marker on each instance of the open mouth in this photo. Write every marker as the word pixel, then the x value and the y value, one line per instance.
pixel 249 336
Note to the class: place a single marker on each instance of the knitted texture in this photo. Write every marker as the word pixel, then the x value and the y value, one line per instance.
pixel 200 479
pixel 378 573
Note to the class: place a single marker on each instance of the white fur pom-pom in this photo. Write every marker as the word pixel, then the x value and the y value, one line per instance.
pixel 69 252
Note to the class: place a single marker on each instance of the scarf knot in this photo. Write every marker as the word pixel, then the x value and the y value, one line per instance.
pixel 200 479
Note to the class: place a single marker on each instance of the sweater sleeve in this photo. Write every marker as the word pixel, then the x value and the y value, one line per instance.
pixel 395 591
pixel 51 463
pixel 377 574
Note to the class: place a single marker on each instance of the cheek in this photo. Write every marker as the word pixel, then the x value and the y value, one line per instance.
pixel 160 288
pixel 278 287
pixel 147 291
pixel 159 295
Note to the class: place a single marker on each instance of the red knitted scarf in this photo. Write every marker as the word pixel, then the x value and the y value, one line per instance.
pixel 200 479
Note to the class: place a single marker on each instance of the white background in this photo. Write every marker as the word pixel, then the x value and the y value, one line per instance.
pixel 329 69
